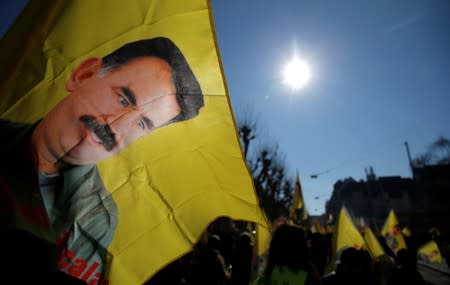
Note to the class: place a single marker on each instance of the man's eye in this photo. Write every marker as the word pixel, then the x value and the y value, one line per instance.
pixel 123 101
pixel 141 124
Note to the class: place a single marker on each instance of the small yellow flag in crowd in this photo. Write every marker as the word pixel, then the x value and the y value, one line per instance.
pixel 392 234
pixel 297 202
pixel 406 232
pixel 373 244
pixel 430 252
pixel 347 235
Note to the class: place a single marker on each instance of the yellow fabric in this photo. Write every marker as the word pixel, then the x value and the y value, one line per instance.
pixel 406 232
pixel 297 202
pixel 263 237
pixel 391 232
pixel 346 233
pixel 430 252
pixel 305 214
pixel 372 242
pixel 169 185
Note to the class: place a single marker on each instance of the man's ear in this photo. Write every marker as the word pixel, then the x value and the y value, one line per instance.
pixel 84 70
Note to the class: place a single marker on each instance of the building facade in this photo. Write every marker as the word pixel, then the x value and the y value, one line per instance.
pixel 420 203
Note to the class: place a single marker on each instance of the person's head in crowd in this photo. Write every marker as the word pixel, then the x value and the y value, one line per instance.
pixel 288 248
pixel 214 242
pixel 406 259
pixel 355 267
pixel 279 221
pixel 245 240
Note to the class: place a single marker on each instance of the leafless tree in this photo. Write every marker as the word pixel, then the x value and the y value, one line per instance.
pixel 267 166
pixel 438 153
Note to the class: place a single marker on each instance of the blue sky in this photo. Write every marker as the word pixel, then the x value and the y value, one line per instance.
pixel 380 77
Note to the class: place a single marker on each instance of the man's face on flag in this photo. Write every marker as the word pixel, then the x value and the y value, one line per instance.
pixel 396 230
pixel 107 110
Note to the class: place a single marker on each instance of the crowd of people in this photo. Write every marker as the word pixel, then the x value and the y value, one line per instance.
pixel 223 257
pixel 295 256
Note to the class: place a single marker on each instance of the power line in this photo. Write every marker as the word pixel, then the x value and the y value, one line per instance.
pixel 351 162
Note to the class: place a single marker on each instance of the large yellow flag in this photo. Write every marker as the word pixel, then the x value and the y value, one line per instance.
pixel 347 235
pixel 297 202
pixel 372 242
pixel 391 232
pixel 430 252
pixel 129 101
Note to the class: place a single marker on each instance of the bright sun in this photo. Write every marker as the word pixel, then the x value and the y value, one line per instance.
pixel 296 73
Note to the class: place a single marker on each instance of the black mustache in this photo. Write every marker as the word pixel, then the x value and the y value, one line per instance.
pixel 103 132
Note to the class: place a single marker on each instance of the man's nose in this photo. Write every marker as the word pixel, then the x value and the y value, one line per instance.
pixel 119 125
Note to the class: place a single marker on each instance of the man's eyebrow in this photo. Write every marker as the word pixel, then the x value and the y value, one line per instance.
pixel 131 98
pixel 148 123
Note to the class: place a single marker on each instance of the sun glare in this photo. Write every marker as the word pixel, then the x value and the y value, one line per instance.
pixel 296 73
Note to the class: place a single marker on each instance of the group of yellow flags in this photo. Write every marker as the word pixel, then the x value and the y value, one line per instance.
pixel 347 235
pixel 347 232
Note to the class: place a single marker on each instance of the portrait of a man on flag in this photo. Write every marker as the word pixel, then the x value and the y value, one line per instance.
pixel 111 102
pixel 119 127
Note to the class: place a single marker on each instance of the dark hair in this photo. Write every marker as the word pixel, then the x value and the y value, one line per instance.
pixel 355 267
pixel 188 92
pixel 214 241
pixel 288 247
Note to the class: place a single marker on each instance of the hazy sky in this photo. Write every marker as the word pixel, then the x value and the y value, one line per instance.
pixel 380 77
